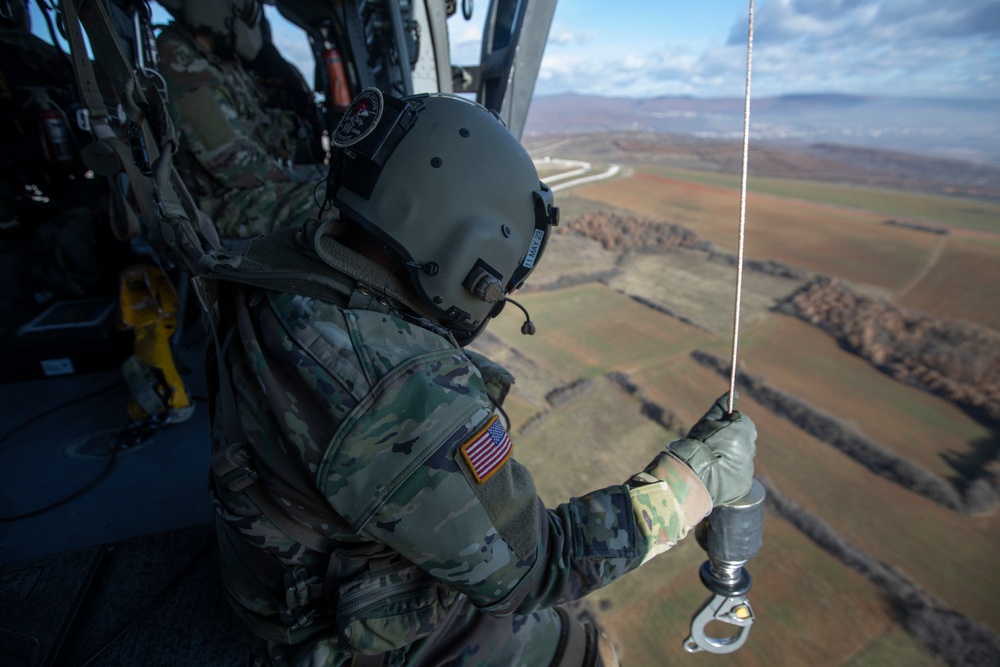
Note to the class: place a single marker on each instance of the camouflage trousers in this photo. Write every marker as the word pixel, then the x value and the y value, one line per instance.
pixel 467 638
pixel 253 211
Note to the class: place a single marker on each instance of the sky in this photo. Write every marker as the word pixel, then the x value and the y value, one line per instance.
pixel 641 48
pixel 645 48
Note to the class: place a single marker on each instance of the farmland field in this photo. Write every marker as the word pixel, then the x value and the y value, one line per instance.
pixel 694 288
pixel 810 607
pixel 793 355
pixel 623 336
pixel 964 283
pixel 849 244
pixel 946 211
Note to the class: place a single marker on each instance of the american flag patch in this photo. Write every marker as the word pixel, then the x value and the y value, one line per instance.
pixel 488 450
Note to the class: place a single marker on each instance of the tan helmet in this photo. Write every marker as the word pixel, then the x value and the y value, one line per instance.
pixel 239 19
pixel 442 181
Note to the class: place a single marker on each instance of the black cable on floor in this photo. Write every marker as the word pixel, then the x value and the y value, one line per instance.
pixel 131 435
pixel 31 420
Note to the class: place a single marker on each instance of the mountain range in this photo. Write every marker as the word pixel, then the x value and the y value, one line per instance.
pixel 961 129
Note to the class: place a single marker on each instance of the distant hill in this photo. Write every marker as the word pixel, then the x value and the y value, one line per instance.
pixel 961 129
pixel 825 162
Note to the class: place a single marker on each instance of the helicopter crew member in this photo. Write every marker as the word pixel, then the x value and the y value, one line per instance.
pixel 370 507
pixel 235 155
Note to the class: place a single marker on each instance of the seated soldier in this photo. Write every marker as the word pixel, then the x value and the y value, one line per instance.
pixel 235 155
pixel 370 510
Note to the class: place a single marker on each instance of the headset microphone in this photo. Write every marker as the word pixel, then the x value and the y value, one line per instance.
pixel 528 328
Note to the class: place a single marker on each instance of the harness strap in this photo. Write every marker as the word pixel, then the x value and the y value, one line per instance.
pixel 155 185
pixel 282 265
pixel 232 466
pixel 360 268
pixel 572 648
pixel 90 92
pixel 301 589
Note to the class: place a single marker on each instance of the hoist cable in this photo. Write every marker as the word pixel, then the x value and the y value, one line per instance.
pixel 743 212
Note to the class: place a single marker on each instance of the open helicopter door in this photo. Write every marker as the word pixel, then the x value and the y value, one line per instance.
pixel 513 43
pixel 399 47
pixel 402 48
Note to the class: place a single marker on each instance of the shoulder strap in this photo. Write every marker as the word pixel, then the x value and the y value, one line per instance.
pixel 307 260
pixel 143 147
pixel 232 465
pixel 277 261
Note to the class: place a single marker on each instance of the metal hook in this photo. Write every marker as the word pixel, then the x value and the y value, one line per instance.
pixel 734 611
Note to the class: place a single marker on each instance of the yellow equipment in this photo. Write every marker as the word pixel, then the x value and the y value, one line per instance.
pixel 149 306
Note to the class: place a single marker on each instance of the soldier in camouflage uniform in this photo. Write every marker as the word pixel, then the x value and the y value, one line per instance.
pixel 370 510
pixel 235 155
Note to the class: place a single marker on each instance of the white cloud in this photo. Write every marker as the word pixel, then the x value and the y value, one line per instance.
pixel 897 47
pixel 564 35
pixel 908 47
pixel 465 39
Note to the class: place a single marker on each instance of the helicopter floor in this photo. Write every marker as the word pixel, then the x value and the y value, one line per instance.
pixel 126 573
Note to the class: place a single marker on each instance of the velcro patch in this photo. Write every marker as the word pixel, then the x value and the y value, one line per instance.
pixel 488 450
pixel 361 119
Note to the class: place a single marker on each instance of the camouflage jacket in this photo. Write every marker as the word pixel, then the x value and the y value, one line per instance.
pixel 234 153
pixel 362 424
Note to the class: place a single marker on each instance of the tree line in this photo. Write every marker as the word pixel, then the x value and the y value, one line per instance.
pixel 956 639
pixel 876 457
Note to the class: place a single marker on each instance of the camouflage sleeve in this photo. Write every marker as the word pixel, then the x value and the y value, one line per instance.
pixel 219 117
pixel 497 543
pixel 398 470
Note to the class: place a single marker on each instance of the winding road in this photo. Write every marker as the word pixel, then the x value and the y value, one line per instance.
pixel 572 173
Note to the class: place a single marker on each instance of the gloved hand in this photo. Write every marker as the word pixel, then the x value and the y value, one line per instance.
pixel 720 449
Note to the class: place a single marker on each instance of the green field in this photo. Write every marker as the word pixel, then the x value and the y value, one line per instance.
pixel 811 609
pixel 624 336
pixel 894 647
pixel 947 211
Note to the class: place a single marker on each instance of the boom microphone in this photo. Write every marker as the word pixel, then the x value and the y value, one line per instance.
pixel 528 328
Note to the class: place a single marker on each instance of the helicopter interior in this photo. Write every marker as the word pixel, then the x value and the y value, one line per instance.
pixel 106 543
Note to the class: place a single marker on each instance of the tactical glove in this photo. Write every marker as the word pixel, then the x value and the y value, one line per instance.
pixel 720 449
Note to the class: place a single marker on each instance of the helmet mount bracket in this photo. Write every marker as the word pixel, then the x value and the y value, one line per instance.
pixel 485 282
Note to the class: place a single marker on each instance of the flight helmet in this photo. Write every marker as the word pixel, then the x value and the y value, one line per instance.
pixel 441 181
pixel 238 19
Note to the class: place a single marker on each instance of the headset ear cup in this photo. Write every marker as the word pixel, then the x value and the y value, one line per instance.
pixel 497 308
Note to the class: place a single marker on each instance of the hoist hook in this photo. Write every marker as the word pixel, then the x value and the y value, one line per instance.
pixel 735 611
pixel 731 535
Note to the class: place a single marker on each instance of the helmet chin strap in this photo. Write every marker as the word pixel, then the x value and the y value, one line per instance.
pixel 528 328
